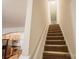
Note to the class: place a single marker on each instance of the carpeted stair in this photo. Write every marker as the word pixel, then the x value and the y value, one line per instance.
pixel 55 45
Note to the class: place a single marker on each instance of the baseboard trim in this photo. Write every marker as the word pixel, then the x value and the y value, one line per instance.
pixel 73 56
pixel 40 44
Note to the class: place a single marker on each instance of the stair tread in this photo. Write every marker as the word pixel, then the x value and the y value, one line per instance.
pixel 56 55
pixel 54 30
pixel 54 36
pixel 54 52
pixel 56 48
pixel 56 42
pixel 55 45
pixel 54 33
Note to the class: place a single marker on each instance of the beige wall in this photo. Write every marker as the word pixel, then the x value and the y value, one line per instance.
pixel 66 19
pixel 40 20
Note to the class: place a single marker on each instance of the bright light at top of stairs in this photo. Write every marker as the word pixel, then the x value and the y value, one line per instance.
pixel 52 2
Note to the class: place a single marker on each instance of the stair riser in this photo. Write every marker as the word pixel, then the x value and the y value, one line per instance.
pixel 54 48
pixel 54 32
pixel 56 42
pixel 54 29
pixel 51 34
pixel 55 45
pixel 56 56
pixel 55 38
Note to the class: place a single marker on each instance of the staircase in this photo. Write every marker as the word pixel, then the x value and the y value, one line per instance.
pixel 55 45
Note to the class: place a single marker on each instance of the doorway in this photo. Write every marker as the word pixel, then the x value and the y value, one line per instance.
pixel 53 10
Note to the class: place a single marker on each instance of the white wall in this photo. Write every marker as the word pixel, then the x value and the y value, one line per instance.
pixel 40 21
pixel 66 19
pixel 11 30
pixel 13 13
pixel 14 16
pixel 25 52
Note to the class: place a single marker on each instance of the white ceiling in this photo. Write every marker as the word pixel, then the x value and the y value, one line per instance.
pixel 13 13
